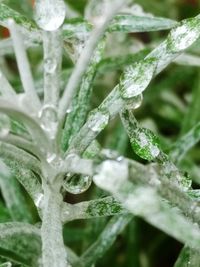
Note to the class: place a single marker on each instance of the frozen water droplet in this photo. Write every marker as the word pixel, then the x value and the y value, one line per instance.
pixel 134 102
pixel 136 78
pixel 95 11
pixel 111 175
pixel 98 120
pixel 51 157
pixel 48 119
pixel 50 65
pixel 77 184
pixel 4 125
pixel 183 36
pixel 49 14
pixel 39 199
pixel 145 144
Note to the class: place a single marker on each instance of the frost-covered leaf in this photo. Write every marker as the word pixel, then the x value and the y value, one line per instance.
pixel 131 23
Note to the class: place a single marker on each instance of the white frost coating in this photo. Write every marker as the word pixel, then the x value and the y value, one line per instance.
pixel 4 125
pixel 182 37
pixel 98 120
pixel 136 78
pixel 143 201
pixel 111 175
pixel 49 14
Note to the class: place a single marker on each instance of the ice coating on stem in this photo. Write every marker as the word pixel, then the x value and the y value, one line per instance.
pixel 4 125
pixel 49 14
pixel 111 174
pixel 137 77
pixel 185 35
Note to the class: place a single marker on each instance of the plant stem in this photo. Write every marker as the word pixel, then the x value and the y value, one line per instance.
pixel 53 249
pixel 84 60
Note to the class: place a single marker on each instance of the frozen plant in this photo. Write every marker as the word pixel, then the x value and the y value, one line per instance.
pixel 48 135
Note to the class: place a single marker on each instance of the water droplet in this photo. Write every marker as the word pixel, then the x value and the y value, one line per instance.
pixel 136 78
pixel 134 102
pixel 51 157
pixel 50 65
pixel 77 184
pixel 183 36
pixel 49 14
pixel 48 119
pixel 145 144
pixel 98 120
pixel 95 11
pixel 4 125
pixel 39 199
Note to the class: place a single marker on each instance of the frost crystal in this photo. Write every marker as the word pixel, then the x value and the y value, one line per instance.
pixel 136 78
pixel 49 14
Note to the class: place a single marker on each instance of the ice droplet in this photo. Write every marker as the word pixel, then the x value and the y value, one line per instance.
pixel 95 11
pixel 4 125
pixel 48 119
pixel 50 65
pixel 51 157
pixel 77 184
pixel 136 78
pixel 49 14
pixel 39 199
pixel 183 36
pixel 134 102
pixel 145 144
pixel 98 120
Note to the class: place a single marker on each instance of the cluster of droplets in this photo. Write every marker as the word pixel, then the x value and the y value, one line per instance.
pixel 49 14
pixel 5 125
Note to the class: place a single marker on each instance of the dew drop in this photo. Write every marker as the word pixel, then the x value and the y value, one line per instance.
pixel 50 65
pixel 136 78
pixel 48 120
pixel 145 144
pixel 95 11
pixel 39 199
pixel 134 102
pixel 183 36
pixel 4 125
pixel 77 184
pixel 98 120
pixel 51 157
pixel 49 14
